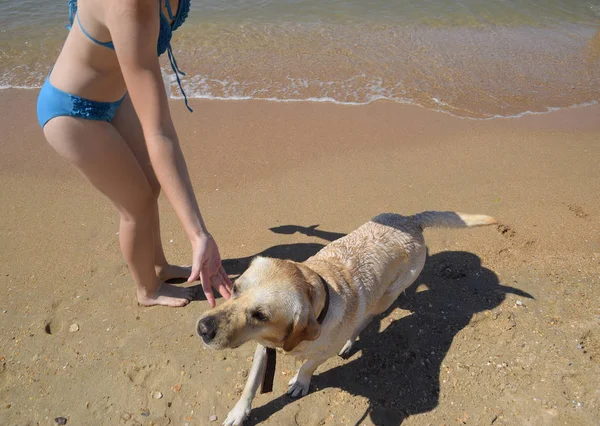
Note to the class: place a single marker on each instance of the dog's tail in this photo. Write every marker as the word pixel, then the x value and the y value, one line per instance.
pixel 452 220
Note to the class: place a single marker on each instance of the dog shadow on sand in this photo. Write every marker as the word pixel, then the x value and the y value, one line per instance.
pixel 398 370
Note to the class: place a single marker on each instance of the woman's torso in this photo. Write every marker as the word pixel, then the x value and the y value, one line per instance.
pixel 85 68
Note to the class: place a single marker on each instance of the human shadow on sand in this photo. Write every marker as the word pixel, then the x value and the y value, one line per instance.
pixel 398 370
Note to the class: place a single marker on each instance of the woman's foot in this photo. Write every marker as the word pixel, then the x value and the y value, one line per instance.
pixel 173 272
pixel 167 295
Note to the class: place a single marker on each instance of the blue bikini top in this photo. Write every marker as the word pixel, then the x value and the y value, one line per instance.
pixel 164 35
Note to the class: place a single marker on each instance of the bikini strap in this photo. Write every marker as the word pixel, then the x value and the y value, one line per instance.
pixel 169 10
pixel 108 44
pixel 178 72
pixel 169 49
pixel 73 15
pixel 182 12
pixel 72 12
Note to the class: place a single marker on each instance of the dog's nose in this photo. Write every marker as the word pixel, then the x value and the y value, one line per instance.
pixel 207 328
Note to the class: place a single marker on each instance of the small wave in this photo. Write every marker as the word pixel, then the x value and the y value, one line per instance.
pixel 355 91
pixel 9 86
pixel 546 110
pixel 442 107
pixel 289 100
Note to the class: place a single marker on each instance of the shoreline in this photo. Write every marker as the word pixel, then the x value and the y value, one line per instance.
pixel 410 104
pixel 502 325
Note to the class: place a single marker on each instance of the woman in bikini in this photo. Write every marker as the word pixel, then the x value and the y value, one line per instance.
pixel 104 108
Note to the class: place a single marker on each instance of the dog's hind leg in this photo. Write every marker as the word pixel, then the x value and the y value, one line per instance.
pixel 384 303
pixel 345 351
pixel 301 382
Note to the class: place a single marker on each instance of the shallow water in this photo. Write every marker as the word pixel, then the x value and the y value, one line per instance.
pixel 474 58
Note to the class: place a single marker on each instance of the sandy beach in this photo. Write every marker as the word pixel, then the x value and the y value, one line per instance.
pixel 502 327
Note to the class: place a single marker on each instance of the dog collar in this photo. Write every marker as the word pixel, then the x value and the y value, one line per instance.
pixel 323 313
pixel 269 377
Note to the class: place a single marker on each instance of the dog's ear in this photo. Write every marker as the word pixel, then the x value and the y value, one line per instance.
pixel 304 327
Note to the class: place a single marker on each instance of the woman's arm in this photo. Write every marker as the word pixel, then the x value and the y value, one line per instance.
pixel 134 27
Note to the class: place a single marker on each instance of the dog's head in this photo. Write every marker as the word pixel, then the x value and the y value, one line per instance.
pixel 272 303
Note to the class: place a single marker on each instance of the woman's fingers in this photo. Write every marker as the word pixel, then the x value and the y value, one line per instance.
pixel 220 284
pixel 207 287
pixel 195 272
pixel 228 282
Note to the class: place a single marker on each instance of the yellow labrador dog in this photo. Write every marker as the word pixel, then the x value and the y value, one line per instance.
pixel 317 308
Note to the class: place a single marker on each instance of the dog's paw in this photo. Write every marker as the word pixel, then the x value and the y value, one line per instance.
pixel 298 387
pixel 345 351
pixel 237 416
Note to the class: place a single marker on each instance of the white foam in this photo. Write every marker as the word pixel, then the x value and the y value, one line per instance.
pixel 447 108
pixel 382 98
pixel 9 86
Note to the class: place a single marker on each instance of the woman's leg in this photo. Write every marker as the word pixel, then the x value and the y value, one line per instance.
pixel 128 125
pixel 97 149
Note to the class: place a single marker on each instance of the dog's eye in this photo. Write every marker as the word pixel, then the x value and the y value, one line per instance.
pixel 259 315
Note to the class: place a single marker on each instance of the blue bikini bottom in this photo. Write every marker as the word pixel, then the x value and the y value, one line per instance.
pixel 53 102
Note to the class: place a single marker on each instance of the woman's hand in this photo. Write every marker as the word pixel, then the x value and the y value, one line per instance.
pixel 206 265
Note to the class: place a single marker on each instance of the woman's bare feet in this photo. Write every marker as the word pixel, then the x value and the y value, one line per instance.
pixel 173 272
pixel 167 295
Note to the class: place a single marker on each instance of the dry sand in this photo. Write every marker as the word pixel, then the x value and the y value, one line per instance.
pixel 502 327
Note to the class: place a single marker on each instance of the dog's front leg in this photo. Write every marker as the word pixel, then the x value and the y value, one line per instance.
pixel 301 382
pixel 242 409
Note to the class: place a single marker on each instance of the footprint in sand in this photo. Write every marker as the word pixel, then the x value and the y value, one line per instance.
pixel 51 325
pixel 140 375
pixel 150 413
pixel 506 230
pixel 516 241
pixel 590 345
pixel 578 211
pixel 574 386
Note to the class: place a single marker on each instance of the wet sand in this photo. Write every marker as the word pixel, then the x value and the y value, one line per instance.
pixel 501 327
